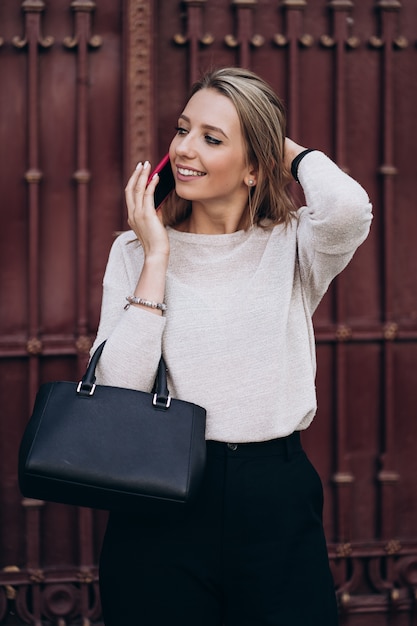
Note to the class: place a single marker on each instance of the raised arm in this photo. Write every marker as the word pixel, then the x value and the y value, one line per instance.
pixel 133 332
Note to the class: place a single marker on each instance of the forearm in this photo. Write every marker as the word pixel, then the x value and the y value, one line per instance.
pixel 339 210
pixel 133 337
pixel 151 284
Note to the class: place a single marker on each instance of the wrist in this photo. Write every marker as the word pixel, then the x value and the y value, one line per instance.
pixel 296 162
pixel 156 260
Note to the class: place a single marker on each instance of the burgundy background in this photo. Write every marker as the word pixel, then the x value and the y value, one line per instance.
pixel 87 89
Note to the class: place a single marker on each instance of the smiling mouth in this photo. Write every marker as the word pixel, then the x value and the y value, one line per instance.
pixel 186 172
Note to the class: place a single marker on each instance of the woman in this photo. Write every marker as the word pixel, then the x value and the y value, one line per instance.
pixel 240 272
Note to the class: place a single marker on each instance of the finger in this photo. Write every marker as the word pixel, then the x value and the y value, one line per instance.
pixel 139 178
pixel 134 177
pixel 151 186
pixel 130 187
pixel 136 188
pixel 142 174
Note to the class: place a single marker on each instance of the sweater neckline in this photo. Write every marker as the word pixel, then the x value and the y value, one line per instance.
pixel 216 240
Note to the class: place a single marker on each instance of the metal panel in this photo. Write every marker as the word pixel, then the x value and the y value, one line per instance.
pixel 86 90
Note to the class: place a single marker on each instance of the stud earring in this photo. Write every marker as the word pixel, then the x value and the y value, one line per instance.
pixel 250 182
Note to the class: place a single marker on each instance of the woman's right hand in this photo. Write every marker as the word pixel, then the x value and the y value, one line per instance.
pixel 142 218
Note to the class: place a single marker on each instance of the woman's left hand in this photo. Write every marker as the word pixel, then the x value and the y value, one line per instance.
pixel 291 150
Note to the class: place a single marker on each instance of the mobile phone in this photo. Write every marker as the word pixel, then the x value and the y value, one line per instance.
pixel 166 182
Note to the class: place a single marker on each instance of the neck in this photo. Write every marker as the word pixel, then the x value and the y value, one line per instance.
pixel 202 222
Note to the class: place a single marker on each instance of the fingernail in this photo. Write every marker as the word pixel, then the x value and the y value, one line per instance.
pixel 155 175
pixel 138 165
pixel 145 165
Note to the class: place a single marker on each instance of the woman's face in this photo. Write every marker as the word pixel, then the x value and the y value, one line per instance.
pixel 208 155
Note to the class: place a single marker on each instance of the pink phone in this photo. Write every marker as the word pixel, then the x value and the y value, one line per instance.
pixel 166 182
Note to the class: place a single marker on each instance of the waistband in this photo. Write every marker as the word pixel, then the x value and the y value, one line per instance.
pixel 278 447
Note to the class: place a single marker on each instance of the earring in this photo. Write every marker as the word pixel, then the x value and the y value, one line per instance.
pixel 250 182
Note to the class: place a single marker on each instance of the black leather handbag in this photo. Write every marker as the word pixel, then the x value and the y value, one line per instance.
pixel 112 448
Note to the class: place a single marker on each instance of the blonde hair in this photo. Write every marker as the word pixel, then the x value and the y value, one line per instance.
pixel 263 123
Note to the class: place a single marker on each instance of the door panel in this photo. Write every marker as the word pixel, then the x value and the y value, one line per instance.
pixel 88 89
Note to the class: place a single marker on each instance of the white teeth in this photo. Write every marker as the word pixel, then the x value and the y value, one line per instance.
pixel 186 172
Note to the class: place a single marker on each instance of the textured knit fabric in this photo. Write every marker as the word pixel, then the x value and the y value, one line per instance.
pixel 237 336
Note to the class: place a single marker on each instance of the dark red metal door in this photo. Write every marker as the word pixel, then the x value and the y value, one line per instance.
pixel 86 90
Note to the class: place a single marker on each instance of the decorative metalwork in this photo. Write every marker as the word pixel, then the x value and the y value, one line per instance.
pixel 340 5
pixel 327 41
pixel 343 478
pixel 376 42
pixel 401 42
pixel 33 175
pixel 377 576
pixel 34 346
pixel 390 569
pixel 33 6
pixel 31 42
pixel 49 597
pixel 94 41
pixel 351 41
pixel 243 38
pixel 194 35
pixel 280 40
pixel 343 332
pixel 306 40
pixel 206 39
pixel 138 112
pixel 390 330
pixel 81 41
pixel 294 4
pixel 389 5
pixel 83 344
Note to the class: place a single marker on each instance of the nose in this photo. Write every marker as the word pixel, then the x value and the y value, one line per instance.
pixel 185 146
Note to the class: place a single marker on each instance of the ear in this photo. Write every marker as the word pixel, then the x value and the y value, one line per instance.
pixel 251 177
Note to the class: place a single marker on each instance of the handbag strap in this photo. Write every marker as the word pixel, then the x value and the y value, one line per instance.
pixel 161 397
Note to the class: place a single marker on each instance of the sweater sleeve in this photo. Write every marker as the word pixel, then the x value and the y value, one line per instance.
pixel 133 336
pixel 333 224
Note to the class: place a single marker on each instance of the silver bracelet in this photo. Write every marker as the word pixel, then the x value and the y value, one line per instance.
pixel 161 306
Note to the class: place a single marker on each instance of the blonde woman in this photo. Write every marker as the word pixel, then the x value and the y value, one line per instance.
pixel 239 272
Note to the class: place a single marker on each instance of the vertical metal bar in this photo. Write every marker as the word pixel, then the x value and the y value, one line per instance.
pixel 81 41
pixel 82 177
pixel 343 477
pixel 33 178
pixel 139 117
pixel 387 476
pixel 244 10
pixel 33 557
pixel 340 21
pixel 32 40
pixel 194 36
pixel 293 9
pixel 82 174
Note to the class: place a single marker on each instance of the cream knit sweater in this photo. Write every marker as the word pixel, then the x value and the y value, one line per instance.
pixel 237 336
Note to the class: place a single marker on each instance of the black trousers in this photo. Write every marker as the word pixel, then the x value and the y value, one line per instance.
pixel 249 552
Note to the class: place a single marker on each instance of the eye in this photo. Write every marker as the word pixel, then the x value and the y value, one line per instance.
pixel 212 140
pixel 180 130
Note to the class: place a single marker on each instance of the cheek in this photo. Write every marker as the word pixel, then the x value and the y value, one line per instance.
pixel 171 150
pixel 229 173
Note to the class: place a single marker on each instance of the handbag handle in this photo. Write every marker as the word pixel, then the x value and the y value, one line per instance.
pixel 161 397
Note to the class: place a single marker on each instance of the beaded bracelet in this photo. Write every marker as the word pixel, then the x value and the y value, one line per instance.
pixel 296 162
pixel 161 306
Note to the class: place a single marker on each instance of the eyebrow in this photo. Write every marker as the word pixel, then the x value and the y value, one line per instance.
pixel 207 126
